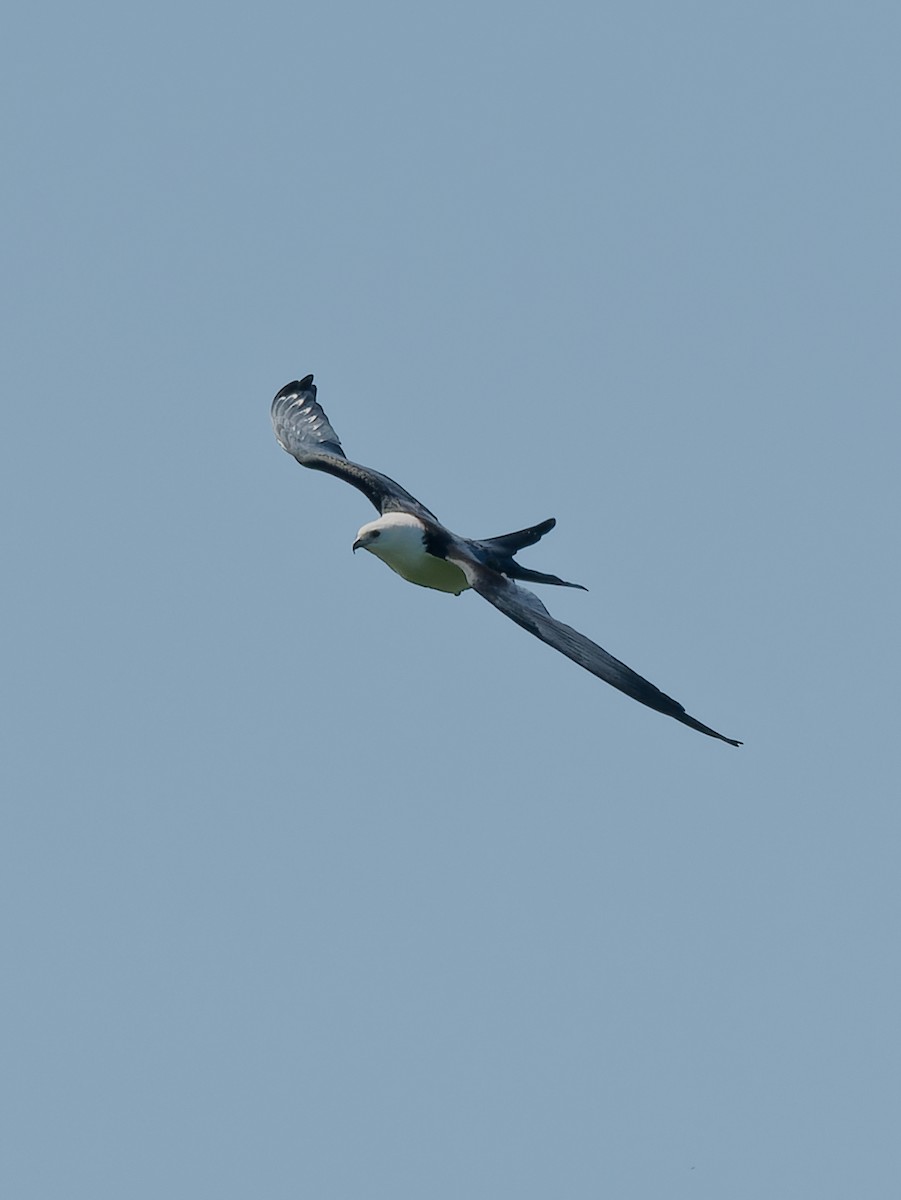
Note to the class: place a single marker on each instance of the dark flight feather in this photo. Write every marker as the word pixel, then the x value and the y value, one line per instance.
pixel 524 607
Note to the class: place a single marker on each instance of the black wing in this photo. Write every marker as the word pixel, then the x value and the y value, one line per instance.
pixel 524 607
pixel 303 429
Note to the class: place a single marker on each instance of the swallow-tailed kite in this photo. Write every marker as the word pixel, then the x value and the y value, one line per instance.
pixel 414 543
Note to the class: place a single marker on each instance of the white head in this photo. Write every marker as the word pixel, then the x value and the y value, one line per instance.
pixel 394 537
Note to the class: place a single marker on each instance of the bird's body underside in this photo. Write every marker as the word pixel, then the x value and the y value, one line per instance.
pixel 397 539
pixel 412 541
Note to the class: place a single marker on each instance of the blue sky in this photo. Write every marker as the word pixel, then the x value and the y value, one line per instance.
pixel 315 883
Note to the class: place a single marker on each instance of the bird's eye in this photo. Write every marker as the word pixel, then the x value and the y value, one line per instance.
pixel 375 533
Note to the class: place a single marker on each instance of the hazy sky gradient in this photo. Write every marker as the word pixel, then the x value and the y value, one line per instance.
pixel 318 884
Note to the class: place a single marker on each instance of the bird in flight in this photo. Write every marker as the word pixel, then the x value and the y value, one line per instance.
pixel 412 541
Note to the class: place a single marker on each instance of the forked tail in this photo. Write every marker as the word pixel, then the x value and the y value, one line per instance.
pixel 498 552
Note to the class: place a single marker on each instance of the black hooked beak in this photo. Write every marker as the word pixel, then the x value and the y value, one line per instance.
pixel 357 544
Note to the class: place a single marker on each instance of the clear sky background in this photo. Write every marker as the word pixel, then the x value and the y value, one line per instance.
pixel 316 884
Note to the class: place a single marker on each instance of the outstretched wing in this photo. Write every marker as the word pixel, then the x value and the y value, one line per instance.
pixel 524 607
pixel 303 429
